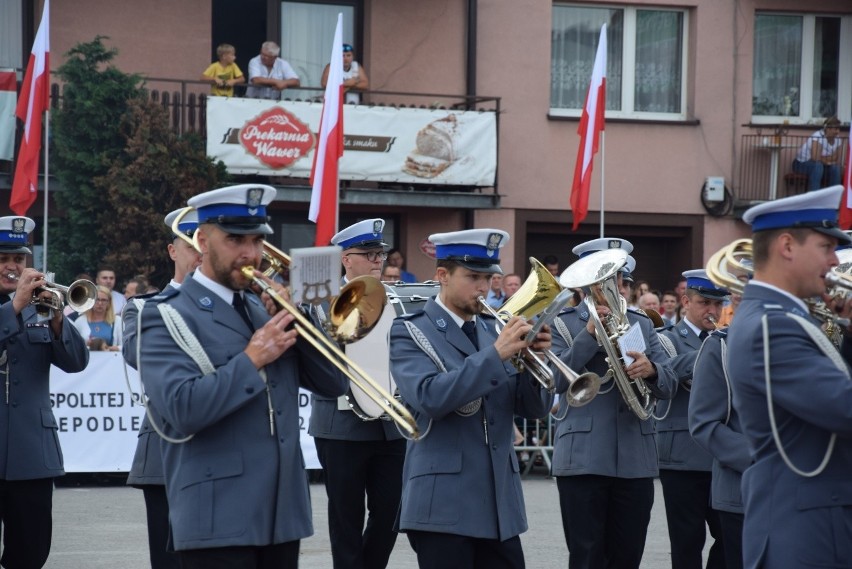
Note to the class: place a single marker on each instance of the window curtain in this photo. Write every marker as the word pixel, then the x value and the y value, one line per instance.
pixel 659 61
pixel 10 34
pixel 307 31
pixel 777 65
pixel 826 67
pixel 574 40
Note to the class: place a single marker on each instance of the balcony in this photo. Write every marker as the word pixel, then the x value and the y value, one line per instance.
pixel 765 165
pixel 186 103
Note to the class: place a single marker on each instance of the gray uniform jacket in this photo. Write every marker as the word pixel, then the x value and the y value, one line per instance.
pixel 329 422
pixel 715 425
pixel 605 437
pixel 676 450
pixel 29 440
pixel 234 483
pixel 791 520
pixel 462 478
pixel 147 465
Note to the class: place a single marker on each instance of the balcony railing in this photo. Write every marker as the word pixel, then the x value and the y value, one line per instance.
pixel 766 165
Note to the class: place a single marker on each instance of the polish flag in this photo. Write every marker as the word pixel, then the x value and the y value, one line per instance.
pixel 324 171
pixel 846 202
pixel 591 125
pixel 34 100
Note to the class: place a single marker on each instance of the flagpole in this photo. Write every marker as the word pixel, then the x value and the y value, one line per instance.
pixel 46 187
pixel 603 186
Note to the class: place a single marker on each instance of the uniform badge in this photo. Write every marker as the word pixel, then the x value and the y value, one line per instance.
pixel 205 301
pixel 584 316
pixel 493 244
pixel 614 244
pixel 253 199
pixel 441 323
pixel 18 225
pixel 683 332
pixel 377 227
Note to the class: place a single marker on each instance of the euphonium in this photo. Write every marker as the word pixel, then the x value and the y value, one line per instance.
pixel 598 272
pixel 354 312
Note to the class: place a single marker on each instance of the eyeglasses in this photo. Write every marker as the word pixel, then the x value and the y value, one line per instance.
pixel 102 300
pixel 372 256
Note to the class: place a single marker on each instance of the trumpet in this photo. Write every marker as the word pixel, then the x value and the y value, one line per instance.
pixel 80 295
pixel 352 313
pixel 541 294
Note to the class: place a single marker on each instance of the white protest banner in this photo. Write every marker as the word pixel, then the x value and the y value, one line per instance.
pixel 384 144
pixel 99 424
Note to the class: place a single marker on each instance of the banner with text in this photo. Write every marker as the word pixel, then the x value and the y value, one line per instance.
pixel 99 423
pixel 382 144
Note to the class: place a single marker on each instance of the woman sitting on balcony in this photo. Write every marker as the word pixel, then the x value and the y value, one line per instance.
pixel 820 156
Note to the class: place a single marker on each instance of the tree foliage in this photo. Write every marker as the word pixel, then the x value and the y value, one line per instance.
pixel 157 172
pixel 122 169
pixel 86 141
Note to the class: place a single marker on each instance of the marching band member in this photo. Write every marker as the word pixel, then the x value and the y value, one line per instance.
pixel 146 470
pixel 237 490
pixel 359 458
pixel 30 457
pixel 685 467
pixel 605 457
pixel 792 390
pixel 462 504
pixel 715 425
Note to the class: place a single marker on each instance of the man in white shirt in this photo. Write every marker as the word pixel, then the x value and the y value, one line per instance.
pixel 269 75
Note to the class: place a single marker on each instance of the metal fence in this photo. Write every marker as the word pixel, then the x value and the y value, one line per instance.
pixel 766 170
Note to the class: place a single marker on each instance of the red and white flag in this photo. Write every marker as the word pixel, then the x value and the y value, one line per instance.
pixel 33 102
pixel 324 172
pixel 845 219
pixel 591 125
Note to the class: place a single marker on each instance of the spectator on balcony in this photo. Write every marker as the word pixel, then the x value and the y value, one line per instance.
pixel 820 156
pixel 269 75
pixel 354 76
pixel 224 74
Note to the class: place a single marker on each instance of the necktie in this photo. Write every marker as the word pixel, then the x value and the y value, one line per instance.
pixel 703 335
pixel 240 307
pixel 469 329
pixel 4 298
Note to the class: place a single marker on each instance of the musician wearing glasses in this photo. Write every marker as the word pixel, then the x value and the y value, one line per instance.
pixel 146 471
pixel 792 389
pixel 462 504
pixel 361 459
pixel 685 467
pixel 30 457
pixel 605 456
pixel 222 368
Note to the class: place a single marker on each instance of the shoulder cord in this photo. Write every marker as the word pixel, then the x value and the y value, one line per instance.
pixel 724 347
pixel 671 351
pixel 821 341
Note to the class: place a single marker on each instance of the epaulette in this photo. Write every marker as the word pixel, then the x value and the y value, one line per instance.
pixel 665 327
pixel 637 312
pixel 567 310
pixel 723 333
pixel 410 315
pixel 162 295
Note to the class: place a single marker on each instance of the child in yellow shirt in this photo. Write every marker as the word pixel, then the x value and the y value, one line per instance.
pixel 224 74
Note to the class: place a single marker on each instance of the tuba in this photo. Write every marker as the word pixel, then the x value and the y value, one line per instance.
pixel 540 295
pixel 598 272
pixel 353 313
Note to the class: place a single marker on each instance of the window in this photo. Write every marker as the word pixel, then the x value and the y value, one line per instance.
pixel 307 31
pixel 10 35
pixel 798 74
pixel 646 61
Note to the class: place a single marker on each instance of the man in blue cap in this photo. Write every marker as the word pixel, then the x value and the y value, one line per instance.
pixel 685 467
pixel 605 457
pixel 716 426
pixel 146 471
pixel 462 504
pixel 30 457
pixel 361 458
pixel 225 375
pixel 792 390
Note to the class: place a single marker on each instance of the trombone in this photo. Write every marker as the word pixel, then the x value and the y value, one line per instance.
pixel 354 312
